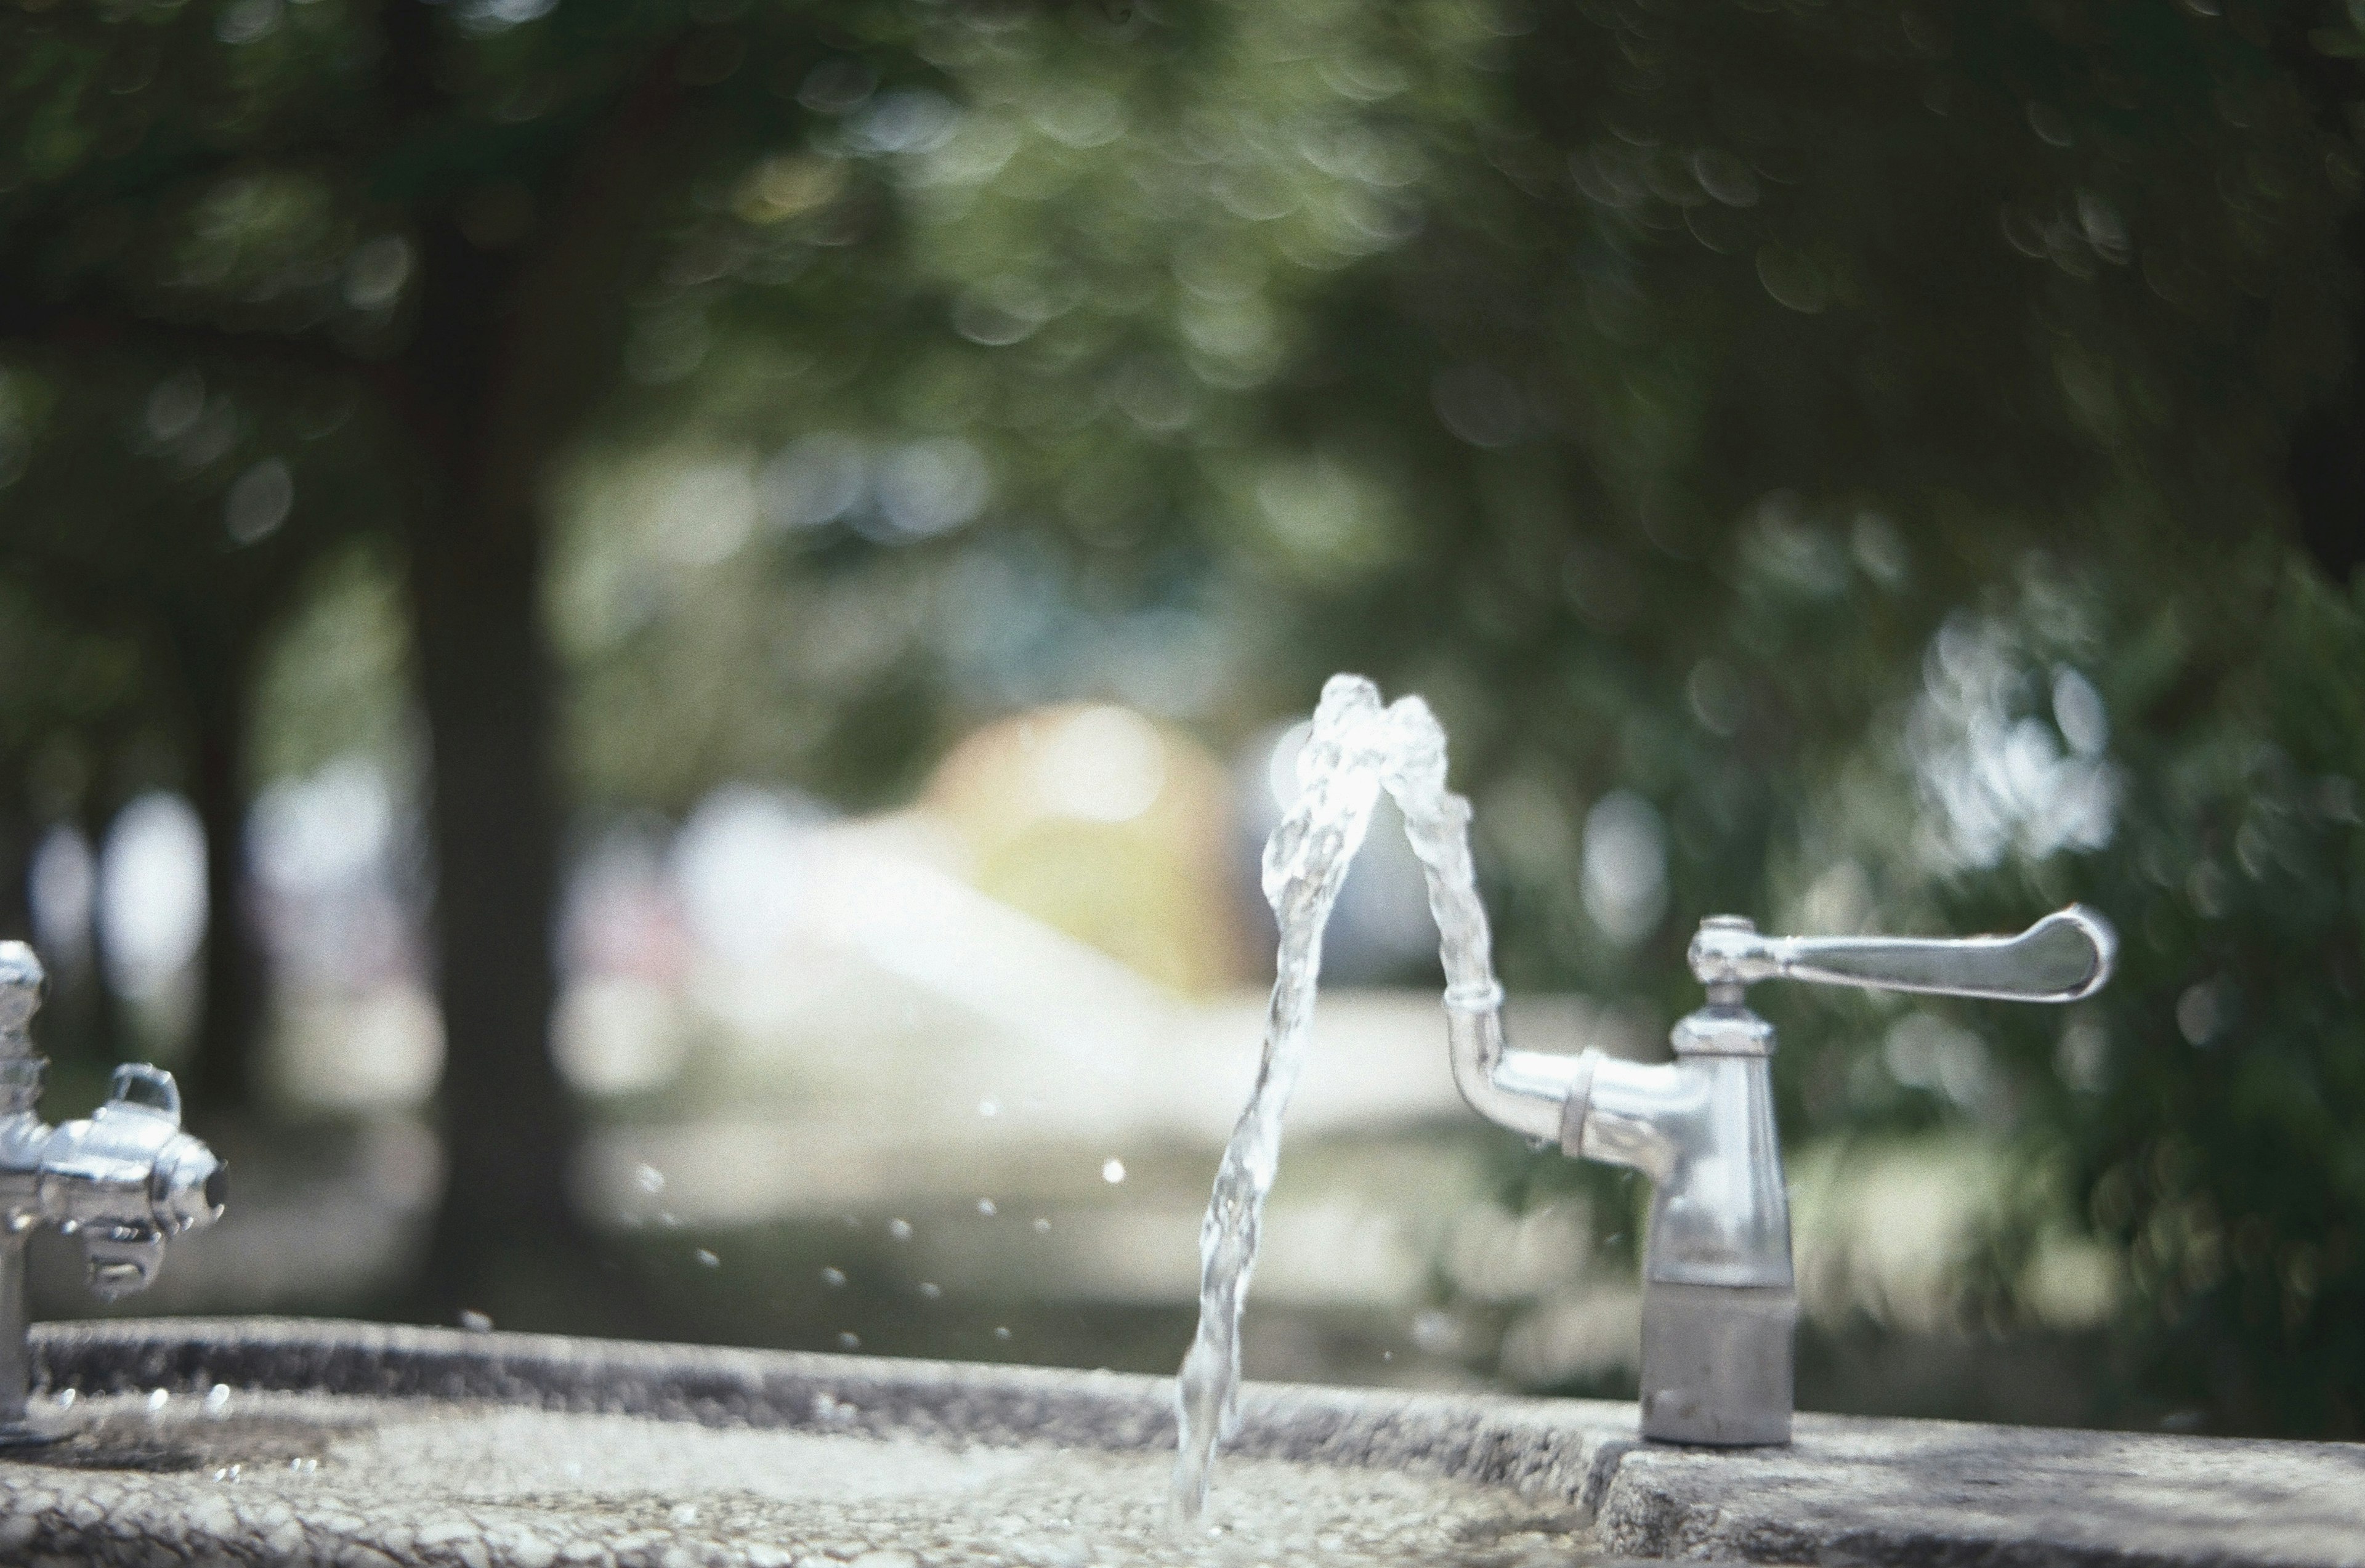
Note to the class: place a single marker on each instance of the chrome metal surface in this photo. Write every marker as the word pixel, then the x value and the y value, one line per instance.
pixel 124 1180
pixel 1716 1365
pixel 1702 1129
pixel 1722 1030
pixel 1718 1300
pixel 2065 956
pixel 1523 1091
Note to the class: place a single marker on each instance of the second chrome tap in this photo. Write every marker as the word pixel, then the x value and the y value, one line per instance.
pixel 1718 1297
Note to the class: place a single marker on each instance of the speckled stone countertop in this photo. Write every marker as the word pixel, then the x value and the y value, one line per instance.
pixel 260 1441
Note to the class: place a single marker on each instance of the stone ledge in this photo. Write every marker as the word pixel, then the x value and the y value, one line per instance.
pixel 1853 1491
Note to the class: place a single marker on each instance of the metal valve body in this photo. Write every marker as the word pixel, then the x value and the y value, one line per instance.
pixel 1718 1297
pixel 124 1181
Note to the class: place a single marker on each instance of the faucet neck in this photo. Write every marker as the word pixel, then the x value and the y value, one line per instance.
pixel 1722 1029
pixel 1524 1091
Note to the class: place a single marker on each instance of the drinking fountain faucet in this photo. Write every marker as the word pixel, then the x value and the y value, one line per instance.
pixel 124 1181
pixel 1718 1297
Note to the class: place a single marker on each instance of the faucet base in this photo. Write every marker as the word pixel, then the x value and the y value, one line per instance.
pixel 1716 1363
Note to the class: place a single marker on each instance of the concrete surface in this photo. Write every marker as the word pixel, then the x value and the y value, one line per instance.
pixel 305 1443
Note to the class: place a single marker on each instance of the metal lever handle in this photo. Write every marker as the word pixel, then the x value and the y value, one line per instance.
pixel 148 1088
pixel 2066 956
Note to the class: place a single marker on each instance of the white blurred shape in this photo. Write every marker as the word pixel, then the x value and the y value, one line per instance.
pixel 389 1051
pixel 175 406
pixel 708 513
pixel 2083 1057
pixel 1102 764
pixel 1079 117
pixel 2077 711
pixel 326 850
pixel 1923 1051
pixel 63 886
pixel 307 834
pixel 246 21
pixel 499 16
pixel 1994 784
pixel 1625 866
pixel 617 1036
pixel 152 891
pixel 376 270
pixel 905 120
pixel 259 501
pixel 928 487
pixel 814 480
pixel 741 862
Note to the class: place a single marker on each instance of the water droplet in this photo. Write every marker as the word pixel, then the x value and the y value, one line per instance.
pixel 900 1229
pixel 685 1513
pixel 159 1398
pixel 475 1323
pixel 651 1179
pixel 985 1207
pixel 1437 1332
pixel 670 1220
pixel 989 1107
pixel 930 1289
pixel 707 1260
pixel 1001 1333
pixel 1042 1225
pixel 1113 1171
pixel 833 1278
pixel 849 1341
pixel 218 1399
pixel 66 1397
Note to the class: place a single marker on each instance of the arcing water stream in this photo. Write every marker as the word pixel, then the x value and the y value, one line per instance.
pixel 1357 749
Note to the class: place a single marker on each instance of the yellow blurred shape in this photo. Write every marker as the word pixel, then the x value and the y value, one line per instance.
pixel 786 186
pixel 1096 821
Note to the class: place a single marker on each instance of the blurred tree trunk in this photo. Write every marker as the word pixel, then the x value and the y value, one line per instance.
pixel 2327 451
pixel 17 834
pixel 217 675
pixel 510 1123
pixel 512 344
pixel 2325 467
pixel 475 537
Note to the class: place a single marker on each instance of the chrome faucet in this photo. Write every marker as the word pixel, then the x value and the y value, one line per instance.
pixel 1718 1297
pixel 124 1181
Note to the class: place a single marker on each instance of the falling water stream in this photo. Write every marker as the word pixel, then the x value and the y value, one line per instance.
pixel 1357 748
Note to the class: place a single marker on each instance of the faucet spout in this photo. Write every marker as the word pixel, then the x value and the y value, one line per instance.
pixel 1528 1091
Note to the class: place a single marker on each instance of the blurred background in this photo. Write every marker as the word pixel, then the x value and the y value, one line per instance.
pixel 650 642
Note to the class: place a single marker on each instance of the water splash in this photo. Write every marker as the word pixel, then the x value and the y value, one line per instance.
pixel 1357 749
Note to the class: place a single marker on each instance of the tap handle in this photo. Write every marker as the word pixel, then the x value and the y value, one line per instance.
pixel 2066 956
pixel 150 1088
